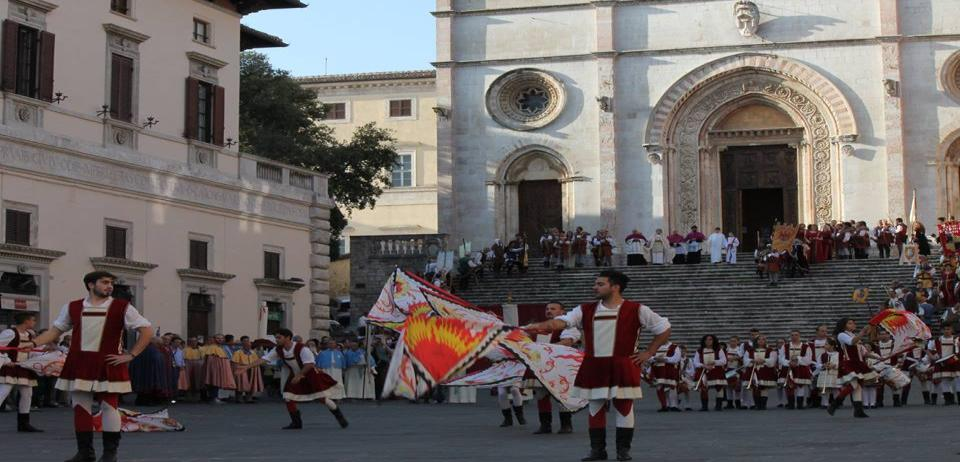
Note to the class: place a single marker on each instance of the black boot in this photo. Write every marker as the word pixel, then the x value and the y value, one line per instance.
pixel 598 445
pixel 518 411
pixel 718 406
pixel 296 421
pixel 624 438
pixel 832 408
pixel 896 400
pixel 858 410
pixel 23 424
pixel 566 423
pixel 85 452
pixel 704 406
pixel 926 397
pixel 958 397
pixel 763 403
pixel 948 399
pixel 507 418
pixel 904 394
pixel 790 402
pixel 933 399
pixel 800 404
pixel 111 443
pixel 338 414
pixel 545 424
pixel 737 404
pixel 730 405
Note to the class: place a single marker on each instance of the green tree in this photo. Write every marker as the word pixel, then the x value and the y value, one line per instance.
pixel 281 120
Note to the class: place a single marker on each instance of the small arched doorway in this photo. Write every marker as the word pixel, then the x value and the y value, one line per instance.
pixel 949 177
pixel 532 194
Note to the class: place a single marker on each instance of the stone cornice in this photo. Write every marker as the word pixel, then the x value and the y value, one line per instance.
pixel 121 265
pixel 41 5
pixel 204 275
pixel 31 254
pixel 730 48
pixel 283 285
pixel 208 60
pixel 126 33
pixel 428 74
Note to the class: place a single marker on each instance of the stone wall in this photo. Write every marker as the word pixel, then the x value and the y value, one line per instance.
pixel 373 258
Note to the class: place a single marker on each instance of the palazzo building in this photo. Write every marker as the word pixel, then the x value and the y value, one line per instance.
pixel 625 114
pixel 118 152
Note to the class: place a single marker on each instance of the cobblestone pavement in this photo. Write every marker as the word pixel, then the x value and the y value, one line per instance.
pixel 400 431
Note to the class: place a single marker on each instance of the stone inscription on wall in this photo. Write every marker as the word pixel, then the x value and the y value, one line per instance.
pixel 154 183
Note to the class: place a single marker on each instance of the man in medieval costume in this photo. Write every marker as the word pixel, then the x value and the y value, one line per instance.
pixel 611 365
pixel 97 365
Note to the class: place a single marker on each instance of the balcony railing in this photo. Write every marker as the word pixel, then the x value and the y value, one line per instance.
pixel 269 172
pixel 253 167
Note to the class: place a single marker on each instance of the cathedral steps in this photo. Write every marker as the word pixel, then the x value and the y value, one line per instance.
pixel 721 299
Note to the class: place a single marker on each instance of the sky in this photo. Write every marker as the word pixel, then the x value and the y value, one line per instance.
pixel 351 36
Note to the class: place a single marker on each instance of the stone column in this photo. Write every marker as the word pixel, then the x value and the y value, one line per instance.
pixel 320 266
pixel 890 41
pixel 447 214
pixel 606 123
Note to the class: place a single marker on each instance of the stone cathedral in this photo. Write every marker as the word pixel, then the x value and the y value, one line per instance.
pixel 646 114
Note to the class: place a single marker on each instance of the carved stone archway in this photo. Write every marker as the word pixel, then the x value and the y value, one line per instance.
pixel 528 163
pixel 679 132
pixel 948 175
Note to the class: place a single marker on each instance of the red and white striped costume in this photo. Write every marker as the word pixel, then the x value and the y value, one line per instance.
pixel 610 339
pixel 710 367
pixel 11 374
pixel 664 369
pixel 97 332
pixel 762 368
pixel 313 386
pixel 801 372
pixel 853 367
pixel 945 347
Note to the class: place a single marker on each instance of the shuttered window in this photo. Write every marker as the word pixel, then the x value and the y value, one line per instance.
pixel 204 111
pixel 401 108
pixel 17 227
pixel 271 265
pixel 121 88
pixel 116 242
pixel 120 6
pixel 198 254
pixel 27 63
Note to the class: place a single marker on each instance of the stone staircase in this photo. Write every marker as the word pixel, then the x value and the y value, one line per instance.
pixel 721 299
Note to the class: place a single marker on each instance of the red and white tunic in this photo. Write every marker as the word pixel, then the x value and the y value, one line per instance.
pixel 97 332
pixel 852 364
pixel 529 378
pixel 11 374
pixel 828 364
pixel 945 347
pixel 801 373
pixel 916 362
pixel 710 367
pixel 885 349
pixel 762 370
pixel 314 385
pixel 610 338
pixel 665 370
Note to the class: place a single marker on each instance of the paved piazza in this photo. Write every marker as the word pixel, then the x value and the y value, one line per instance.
pixel 398 431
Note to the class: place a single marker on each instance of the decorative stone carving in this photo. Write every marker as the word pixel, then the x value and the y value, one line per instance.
pixel 24 113
pixel 691 123
pixel 606 103
pixel 847 150
pixel 747 16
pixel 892 87
pixel 950 76
pixel 525 99
pixel 655 158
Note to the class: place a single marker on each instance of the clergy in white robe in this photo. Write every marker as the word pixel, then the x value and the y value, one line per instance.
pixel 732 245
pixel 717 242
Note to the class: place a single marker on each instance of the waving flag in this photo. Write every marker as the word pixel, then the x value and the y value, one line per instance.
pixel 500 373
pixel 402 379
pixel 903 326
pixel 555 366
pixel 441 346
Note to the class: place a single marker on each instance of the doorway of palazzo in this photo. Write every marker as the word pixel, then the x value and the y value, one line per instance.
pixel 199 310
pixel 540 207
pixel 759 189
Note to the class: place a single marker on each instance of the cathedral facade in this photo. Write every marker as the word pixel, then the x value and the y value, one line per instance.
pixel 667 114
